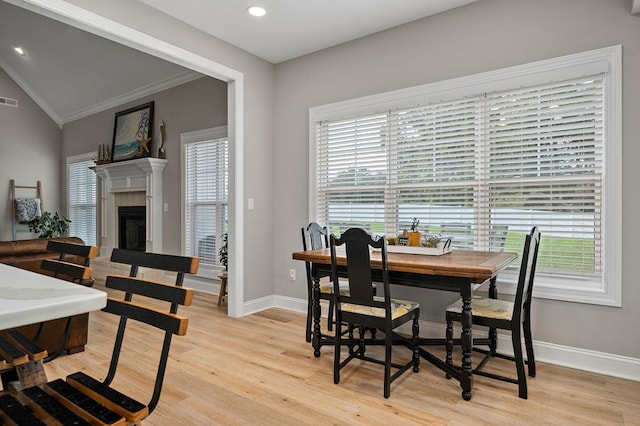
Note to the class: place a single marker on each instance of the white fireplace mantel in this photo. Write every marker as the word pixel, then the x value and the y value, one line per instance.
pixel 141 175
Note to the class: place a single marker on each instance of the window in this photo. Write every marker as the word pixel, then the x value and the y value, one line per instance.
pixel 81 196
pixel 205 157
pixel 483 159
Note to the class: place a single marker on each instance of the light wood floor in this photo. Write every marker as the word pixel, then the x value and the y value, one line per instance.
pixel 260 370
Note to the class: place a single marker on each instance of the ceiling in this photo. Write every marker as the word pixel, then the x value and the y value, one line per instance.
pixel 71 73
pixel 293 28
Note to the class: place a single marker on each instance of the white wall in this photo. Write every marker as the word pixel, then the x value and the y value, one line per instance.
pixel 483 36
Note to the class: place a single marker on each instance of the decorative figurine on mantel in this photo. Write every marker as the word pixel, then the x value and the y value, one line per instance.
pixel 161 151
pixel 104 154
pixel 143 149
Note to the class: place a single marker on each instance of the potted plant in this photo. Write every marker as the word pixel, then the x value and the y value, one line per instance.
pixel 49 226
pixel 414 235
pixel 431 240
pixel 223 251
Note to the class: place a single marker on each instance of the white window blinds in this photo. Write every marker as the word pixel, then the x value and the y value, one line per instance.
pixel 481 169
pixel 545 166
pixel 81 192
pixel 206 186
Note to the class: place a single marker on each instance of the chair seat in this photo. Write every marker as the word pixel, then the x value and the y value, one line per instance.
pixel 398 308
pixel 327 288
pixel 487 308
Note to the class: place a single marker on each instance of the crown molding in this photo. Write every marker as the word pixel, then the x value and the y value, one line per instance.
pixel 32 94
pixel 132 96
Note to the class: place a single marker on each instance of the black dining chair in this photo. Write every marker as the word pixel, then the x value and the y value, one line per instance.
pixel 362 307
pixel 501 314
pixel 315 237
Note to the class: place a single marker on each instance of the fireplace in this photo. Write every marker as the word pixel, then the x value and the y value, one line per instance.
pixel 130 183
pixel 132 227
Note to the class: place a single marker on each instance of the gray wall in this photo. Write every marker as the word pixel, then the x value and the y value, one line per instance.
pixel 484 36
pixel 29 151
pixel 196 105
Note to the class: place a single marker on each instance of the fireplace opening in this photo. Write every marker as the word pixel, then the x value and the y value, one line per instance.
pixel 132 226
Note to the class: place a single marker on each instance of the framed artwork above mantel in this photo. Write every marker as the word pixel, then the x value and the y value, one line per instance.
pixel 132 133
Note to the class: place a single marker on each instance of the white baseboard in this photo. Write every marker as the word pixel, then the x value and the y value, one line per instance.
pixel 203 285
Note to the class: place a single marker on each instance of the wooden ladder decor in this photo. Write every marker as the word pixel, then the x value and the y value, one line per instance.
pixel 23 191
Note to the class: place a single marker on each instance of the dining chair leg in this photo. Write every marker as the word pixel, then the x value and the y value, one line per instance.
pixel 336 350
pixel 416 342
pixel 362 348
pixel 315 337
pixel 330 316
pixel 309 315
pixel 351 327
pixel 449 345
pixel 528 341
pixel 517 354
pixel 493 341
pixel 493 333
pixel 387 363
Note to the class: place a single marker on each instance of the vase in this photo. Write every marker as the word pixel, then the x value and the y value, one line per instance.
pixel 414 238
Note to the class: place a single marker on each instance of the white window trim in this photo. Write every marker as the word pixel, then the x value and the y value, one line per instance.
pixel 608 290
pixel 204 271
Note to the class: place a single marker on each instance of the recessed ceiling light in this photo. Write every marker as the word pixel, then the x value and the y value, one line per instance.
pixel 19 50
pixel 256 11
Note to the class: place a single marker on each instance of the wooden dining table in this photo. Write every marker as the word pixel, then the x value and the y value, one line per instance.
pixel 457 271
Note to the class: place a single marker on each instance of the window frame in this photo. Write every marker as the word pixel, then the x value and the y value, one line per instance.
pixel 86 157
pixel 212 133
pixel 608 290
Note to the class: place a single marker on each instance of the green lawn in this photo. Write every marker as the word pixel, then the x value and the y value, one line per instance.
pixel 568 254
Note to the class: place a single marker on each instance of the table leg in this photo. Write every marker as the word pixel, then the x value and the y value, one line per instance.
pixel 493 333
pixel 466 341
pixel 315 339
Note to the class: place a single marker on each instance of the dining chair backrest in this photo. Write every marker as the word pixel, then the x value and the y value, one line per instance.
pixel 358 244
pixel 60 269
pixel 71 259
pixel 85 252
pixel 524 291
pixel 315 237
